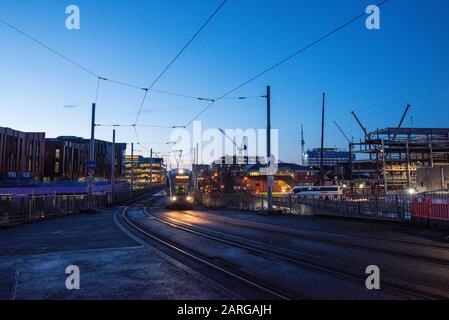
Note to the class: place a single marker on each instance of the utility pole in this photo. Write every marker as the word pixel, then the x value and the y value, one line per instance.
pixel 91 166
pixel 303 143
pixel 132 166
pixel 322 143
pixel 151 167
pixel 197 154
pixel 197 163
pixel 92 135
pixel 113 165
pixel 269 176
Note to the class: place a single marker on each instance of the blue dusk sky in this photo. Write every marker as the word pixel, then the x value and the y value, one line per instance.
pixel 376 73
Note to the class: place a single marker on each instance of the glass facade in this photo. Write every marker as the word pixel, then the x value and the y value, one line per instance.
pixel 331 156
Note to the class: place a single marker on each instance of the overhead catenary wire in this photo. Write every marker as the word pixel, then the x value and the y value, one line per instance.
pixel 179 54
pixel 90 71
pixel 127 84
pixel 122 83
pixel 282 61
pixel 244 98
pixel 212 101
pixel 139 125
pixel 40 43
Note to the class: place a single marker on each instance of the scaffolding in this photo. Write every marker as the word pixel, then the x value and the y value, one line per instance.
pixel 390 157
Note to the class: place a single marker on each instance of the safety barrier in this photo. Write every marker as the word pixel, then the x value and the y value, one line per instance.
pixel 421 208
pixel 432 210
pixel 439 209
pixel 28 208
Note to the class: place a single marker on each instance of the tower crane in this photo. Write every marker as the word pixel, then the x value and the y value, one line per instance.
pixel 240 149
pixel 343 133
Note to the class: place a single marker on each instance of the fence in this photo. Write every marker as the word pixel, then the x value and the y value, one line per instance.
pixel 422 209
pixel 389 207
pixel 232 201
pixel 28 208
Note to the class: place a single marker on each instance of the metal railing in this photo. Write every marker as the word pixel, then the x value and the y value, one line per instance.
pixel 394 207
pixel 18 209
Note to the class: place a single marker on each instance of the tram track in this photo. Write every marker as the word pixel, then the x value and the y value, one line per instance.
pixel 414 291
pixel 287 231
pixel 259 289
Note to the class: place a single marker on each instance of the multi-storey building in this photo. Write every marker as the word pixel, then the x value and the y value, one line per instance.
pixel 331 157
pixel 67 158
pixel 21 154
pixel 145 171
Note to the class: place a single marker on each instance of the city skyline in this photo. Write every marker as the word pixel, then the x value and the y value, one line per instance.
pixel 368 71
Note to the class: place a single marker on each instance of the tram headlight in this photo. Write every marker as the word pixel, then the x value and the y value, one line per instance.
pixel 174 199
pixel 189 198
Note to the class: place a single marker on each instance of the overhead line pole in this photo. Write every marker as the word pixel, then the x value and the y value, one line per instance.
pixel 151 167
pixel 322 143
pixel 91 154
pixel 269 176
pixel 132 166
pixel 303 143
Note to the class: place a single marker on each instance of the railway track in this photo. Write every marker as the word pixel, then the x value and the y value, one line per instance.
pixel 287 231
pixel 252 287
pixel 414 291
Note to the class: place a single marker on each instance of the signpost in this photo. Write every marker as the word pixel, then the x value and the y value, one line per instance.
pixel 91 166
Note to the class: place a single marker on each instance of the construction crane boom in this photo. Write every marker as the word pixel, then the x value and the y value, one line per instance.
pixel 361 125
pixel 342 132
pixel 240 148
pixel 402 119
pixel 403 116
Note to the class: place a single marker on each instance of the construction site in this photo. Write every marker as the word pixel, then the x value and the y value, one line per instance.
pixel 401 159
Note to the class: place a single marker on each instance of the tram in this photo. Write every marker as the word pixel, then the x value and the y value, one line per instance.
pixel 179 189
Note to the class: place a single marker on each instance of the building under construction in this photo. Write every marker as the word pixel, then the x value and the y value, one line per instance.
pixel 398 159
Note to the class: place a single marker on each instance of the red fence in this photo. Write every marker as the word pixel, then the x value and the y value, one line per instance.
pixel 434 210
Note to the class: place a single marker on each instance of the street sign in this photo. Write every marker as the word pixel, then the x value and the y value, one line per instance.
pixel 91 166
